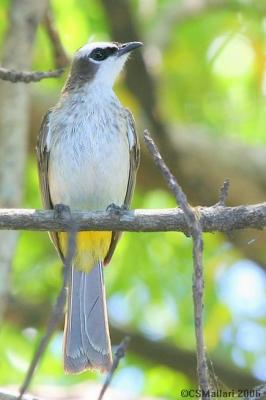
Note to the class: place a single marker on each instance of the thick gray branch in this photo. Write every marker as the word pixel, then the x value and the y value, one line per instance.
pixel 213 219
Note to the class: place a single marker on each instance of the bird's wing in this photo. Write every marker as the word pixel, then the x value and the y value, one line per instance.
pixel 42 151
pixel 134 158
pixel 134 152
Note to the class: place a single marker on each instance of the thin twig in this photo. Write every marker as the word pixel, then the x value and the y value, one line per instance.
pixel 224 190
pixel 56 315
pixel 27 77
pixel 170 180
pixel 194 225
pixel 60 56
pixel 120 353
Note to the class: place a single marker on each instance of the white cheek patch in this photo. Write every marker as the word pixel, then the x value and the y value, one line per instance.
pixel 110 69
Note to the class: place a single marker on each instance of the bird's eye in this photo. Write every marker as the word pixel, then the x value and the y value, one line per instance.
pixel 98 54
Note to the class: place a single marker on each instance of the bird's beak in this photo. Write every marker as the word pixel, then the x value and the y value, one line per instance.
pixel 127 47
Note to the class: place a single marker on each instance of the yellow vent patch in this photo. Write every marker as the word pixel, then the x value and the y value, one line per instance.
pixel 91 247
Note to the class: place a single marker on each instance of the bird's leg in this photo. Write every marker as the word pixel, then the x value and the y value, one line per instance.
pixel 115 209
pixel 55 317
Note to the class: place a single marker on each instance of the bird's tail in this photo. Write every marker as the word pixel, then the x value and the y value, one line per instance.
pixel 86 337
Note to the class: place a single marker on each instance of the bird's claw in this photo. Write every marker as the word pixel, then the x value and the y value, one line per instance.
pixel 115 209
pixel 61 211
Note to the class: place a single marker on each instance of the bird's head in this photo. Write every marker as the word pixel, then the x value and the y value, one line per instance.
pixel 100 62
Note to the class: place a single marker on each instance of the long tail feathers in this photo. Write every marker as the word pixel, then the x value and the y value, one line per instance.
pixel 86 337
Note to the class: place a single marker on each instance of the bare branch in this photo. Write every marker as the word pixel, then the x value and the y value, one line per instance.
pixel 170 180
pixel 120 353
pixel 195 229
pixel 27 77
pixel 60 56
pixel 212 219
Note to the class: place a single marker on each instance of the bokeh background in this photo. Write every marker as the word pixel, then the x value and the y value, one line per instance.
pixel 199 85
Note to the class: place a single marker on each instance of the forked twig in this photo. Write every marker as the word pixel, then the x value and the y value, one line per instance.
pixel 120 353
pixel 194 225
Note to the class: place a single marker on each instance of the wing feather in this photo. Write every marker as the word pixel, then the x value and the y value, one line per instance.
pixel 134 159
pixel 42 150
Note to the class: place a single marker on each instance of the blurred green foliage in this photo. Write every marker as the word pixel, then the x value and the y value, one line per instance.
pixel 212 73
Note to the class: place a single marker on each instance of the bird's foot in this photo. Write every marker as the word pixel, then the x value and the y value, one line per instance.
pixel 61 211
pixel 115 209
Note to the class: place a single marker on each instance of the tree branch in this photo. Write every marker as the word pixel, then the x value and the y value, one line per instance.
pixel 195 229
pixel 60 57
pixel 120 353
pixel 27 77
pixel 212 219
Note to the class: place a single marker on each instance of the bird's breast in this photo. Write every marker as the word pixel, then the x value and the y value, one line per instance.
pixel 89 160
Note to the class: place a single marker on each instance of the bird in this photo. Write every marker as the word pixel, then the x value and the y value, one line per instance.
pixel 88 157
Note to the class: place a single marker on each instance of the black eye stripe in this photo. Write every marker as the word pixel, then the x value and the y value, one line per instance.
pixel 100 54
pixel 111 50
